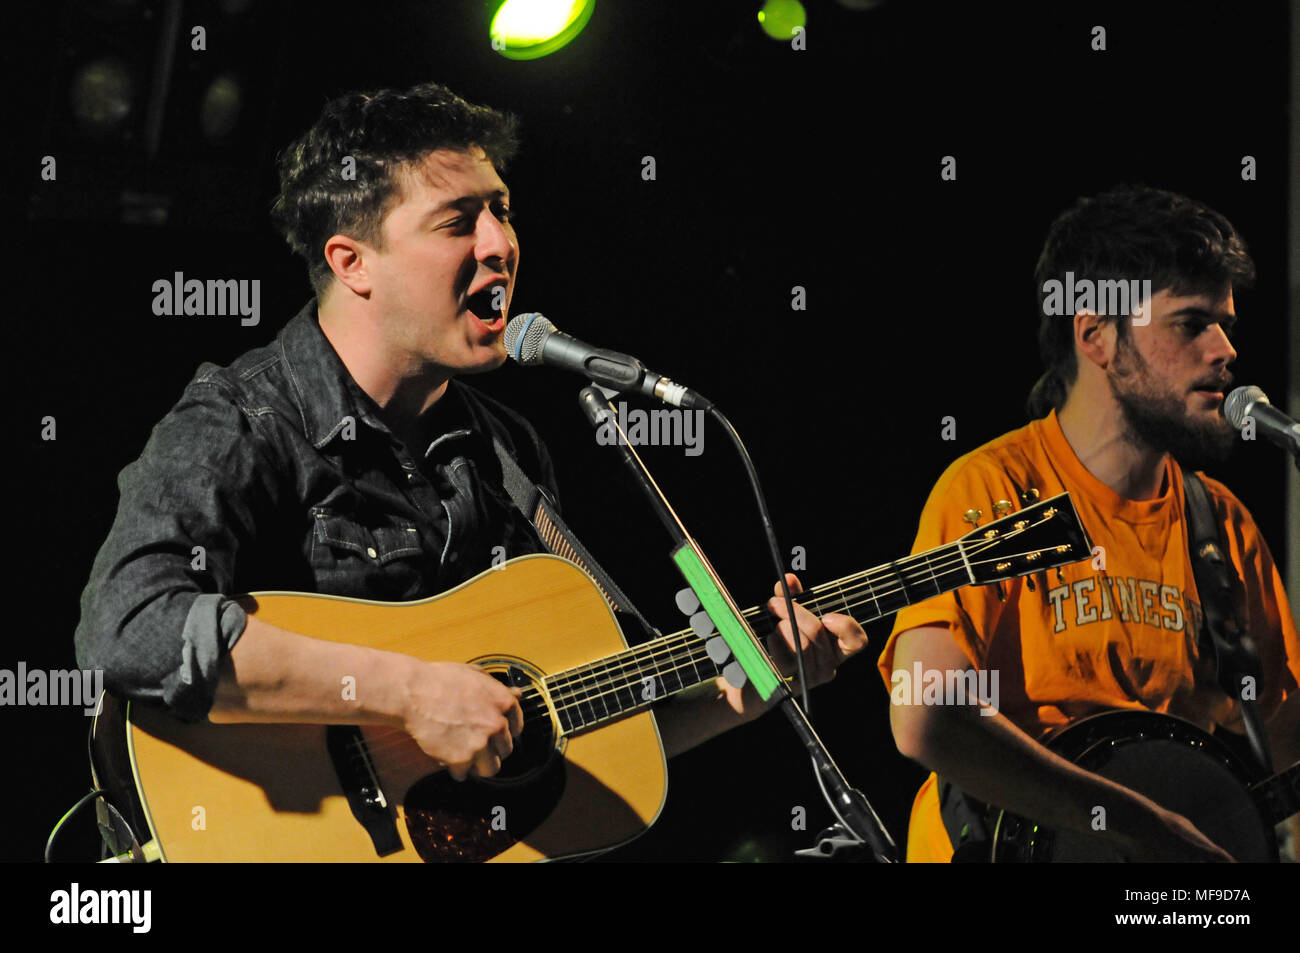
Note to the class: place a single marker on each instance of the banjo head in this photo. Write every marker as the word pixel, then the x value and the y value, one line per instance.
pixel 1171 761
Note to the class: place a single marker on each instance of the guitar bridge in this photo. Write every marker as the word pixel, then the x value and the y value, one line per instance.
pixel 356 774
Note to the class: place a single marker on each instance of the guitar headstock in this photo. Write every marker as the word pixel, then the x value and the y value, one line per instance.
pixel 1042 535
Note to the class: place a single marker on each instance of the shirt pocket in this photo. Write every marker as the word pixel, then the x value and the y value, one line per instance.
pixel 373 557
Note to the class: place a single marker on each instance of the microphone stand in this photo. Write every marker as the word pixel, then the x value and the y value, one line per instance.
pixel 859 828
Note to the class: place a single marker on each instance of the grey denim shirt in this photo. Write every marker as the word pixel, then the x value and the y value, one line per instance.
pixel 276 473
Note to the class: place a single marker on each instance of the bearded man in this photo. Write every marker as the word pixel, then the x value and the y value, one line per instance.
pixel 1127 403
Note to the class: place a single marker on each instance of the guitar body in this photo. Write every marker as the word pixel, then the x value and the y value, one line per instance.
pixel 270 792
pixel 1170 760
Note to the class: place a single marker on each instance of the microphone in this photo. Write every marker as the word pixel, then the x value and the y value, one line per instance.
pixel 531 339
pixel 1269 421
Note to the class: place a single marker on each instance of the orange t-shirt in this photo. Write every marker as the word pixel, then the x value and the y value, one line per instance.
pixel 1093 638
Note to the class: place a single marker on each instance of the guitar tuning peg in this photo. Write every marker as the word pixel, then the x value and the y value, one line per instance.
pixel 1002 508
pixel 1029 496
pixel 972 516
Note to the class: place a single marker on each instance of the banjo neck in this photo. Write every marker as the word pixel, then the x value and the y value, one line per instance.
pixel 1279 796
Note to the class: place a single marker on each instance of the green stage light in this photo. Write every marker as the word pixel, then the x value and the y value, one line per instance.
pixel 779 18
pixel 529 29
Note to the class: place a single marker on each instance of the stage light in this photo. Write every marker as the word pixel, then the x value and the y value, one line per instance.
pixel 103 95
pixel 530 29
pixel 779 18
pixel 161 121
pixel 219 114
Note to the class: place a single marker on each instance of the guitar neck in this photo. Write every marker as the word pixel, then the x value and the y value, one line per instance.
pixel 1279 796
pixel 594 694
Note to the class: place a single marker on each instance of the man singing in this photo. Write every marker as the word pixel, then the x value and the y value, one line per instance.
pixel 1127 402
pixel 348 457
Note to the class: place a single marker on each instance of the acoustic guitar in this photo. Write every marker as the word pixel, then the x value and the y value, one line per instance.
pixel 586 775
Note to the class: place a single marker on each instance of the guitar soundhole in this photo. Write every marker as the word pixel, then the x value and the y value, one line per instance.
pixel 536 745
pixel 474 820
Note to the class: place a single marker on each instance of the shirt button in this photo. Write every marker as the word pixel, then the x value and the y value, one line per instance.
pixel 410 476
pixel 371 553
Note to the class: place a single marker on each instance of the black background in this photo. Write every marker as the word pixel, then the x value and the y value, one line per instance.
pixel 775 168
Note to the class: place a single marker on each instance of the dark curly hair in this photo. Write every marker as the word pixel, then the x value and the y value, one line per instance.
pixel 381 132
pixel 1131 232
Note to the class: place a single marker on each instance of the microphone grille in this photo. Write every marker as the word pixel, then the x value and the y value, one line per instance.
pixel 524 336
pixel 1234 407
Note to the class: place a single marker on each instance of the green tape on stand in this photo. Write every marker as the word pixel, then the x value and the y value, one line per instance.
pixel 761 676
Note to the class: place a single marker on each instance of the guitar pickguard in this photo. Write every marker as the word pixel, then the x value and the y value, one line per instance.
pixel 473 821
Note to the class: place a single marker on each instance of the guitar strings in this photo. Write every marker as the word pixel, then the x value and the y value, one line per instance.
pixel 578 679
pixel 632 657
pixel 571 683
pixel 838 591
pixel 573 688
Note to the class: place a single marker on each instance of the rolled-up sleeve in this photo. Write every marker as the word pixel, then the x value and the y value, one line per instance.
pixel 157 614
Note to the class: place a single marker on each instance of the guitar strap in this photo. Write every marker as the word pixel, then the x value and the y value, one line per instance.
pixel 537 506
pixel 1236 658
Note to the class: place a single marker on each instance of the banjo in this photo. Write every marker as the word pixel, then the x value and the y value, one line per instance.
pixel 1177 765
